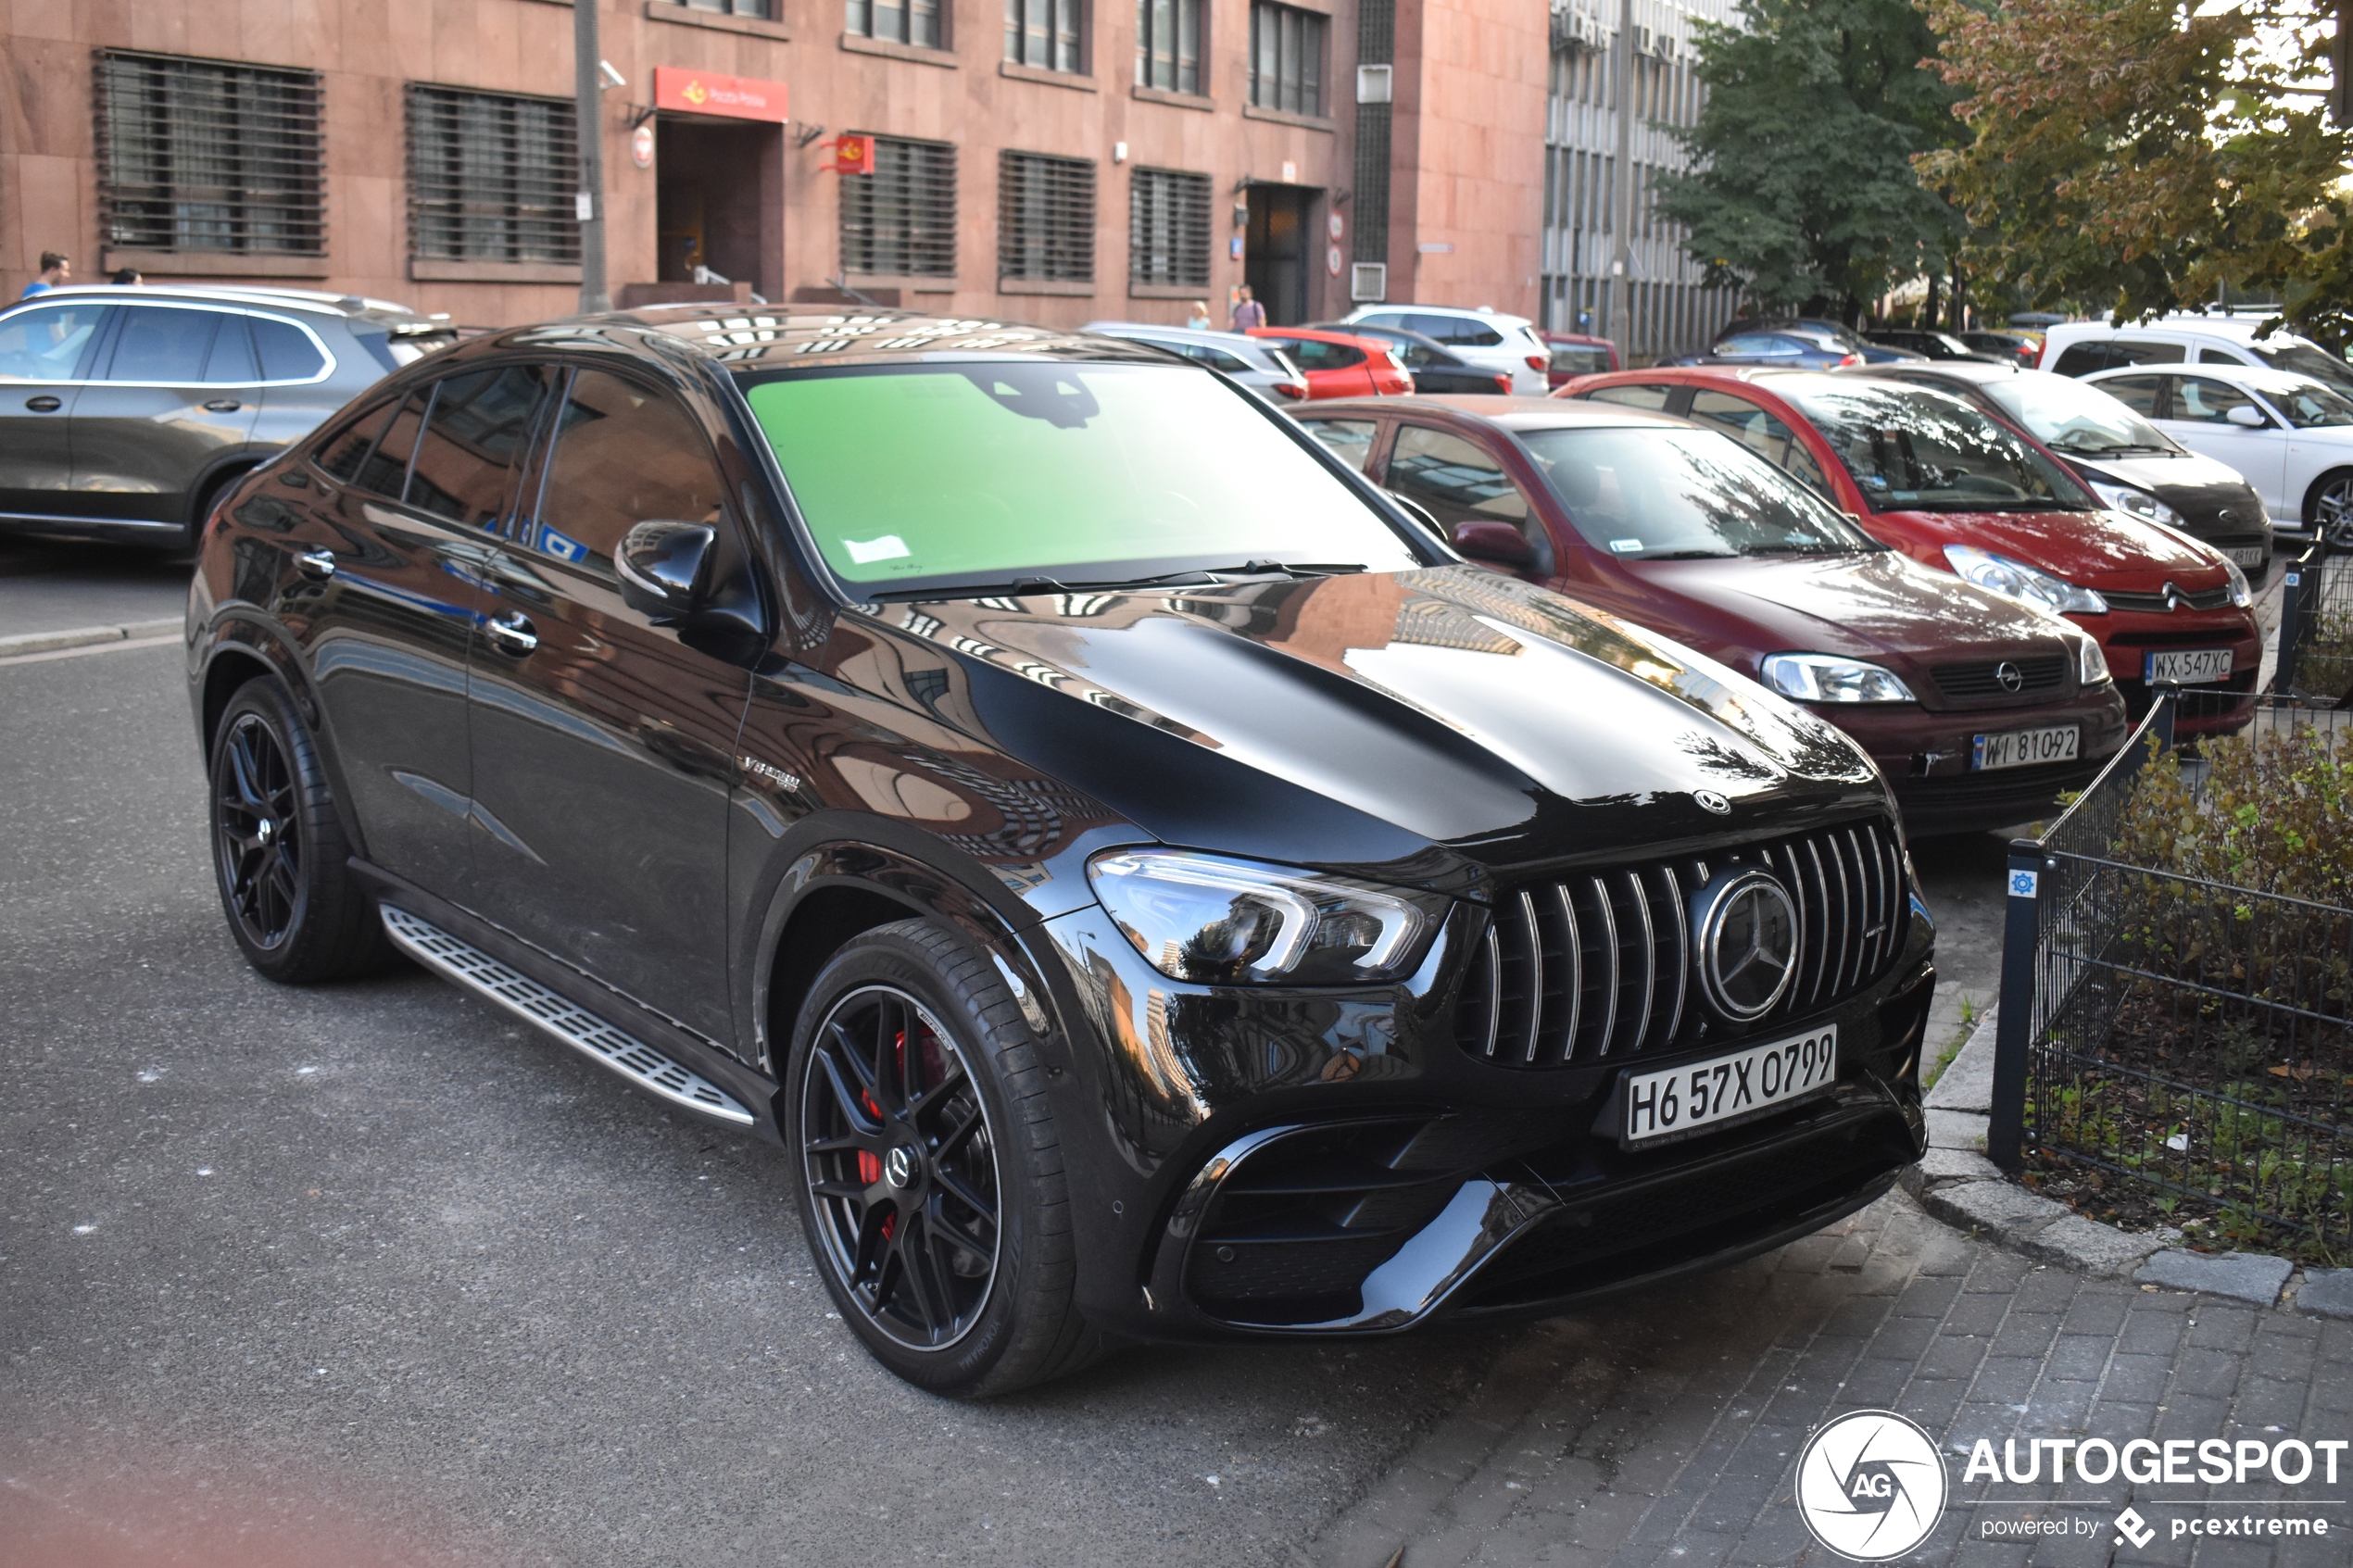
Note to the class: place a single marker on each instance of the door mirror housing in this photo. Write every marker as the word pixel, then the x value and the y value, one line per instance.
pixel 2248 417
pixel 665 568
pixel 1497 543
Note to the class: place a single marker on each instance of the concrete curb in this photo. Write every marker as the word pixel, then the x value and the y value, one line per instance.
pixel 1955 1182
pixel 84 636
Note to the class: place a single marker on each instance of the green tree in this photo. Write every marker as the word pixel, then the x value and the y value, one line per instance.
pixel 2140 155
pixel 1801 186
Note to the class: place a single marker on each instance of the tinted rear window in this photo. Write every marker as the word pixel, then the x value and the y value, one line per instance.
pixel 287 353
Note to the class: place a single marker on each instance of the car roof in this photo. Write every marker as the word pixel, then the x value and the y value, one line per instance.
pixel 1183 334
pixel 746 339
pixel 344 304
pixel 1467 312
pixel 2259 378
pixel 1512 413
pixel 1979 370
pixel 1366 329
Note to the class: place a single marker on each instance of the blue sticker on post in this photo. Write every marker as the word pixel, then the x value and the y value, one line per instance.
pixel 2022 884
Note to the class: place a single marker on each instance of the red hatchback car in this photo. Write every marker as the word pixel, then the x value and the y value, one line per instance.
pixel 1341 364
pixel 1964 493
pixel 1978 710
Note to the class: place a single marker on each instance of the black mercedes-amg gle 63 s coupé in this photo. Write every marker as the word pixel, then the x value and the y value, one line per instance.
pixel 1149 886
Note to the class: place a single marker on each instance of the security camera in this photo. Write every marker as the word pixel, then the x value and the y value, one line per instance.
pixel 610 77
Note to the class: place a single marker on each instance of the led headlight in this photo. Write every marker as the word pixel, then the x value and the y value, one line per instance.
pixel 2016 580
pixel 2090 663
pixel 2241 594
pixel 2139 503
pixel 1821 677
pixel 1218 921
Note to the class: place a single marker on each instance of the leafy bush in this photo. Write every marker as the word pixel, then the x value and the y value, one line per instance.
pixel 2273 814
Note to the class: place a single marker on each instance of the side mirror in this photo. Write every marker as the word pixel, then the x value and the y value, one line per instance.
pixel 2248 415
pixel 1498 543
pixel 665 568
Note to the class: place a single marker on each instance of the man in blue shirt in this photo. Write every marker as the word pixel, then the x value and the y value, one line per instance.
pixel 56 270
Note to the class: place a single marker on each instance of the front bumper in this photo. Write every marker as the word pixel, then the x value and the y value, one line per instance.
pixel 1926 755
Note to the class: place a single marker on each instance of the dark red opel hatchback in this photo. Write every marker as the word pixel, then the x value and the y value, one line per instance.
pixel 1977 709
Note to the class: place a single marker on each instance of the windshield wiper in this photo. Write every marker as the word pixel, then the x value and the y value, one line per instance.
pixel 1287 569
pixel 1691 555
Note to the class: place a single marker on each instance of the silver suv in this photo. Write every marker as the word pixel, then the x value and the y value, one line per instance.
pixel 124 411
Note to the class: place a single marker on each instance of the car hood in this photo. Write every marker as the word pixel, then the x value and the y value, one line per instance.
pixel 2103 549
pixel 1377 720
pixel 1882 606
pixel 2193 485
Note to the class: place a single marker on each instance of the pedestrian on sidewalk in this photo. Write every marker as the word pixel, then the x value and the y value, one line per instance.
pixel 1198 320
pixel 57 271
pixel 1248 312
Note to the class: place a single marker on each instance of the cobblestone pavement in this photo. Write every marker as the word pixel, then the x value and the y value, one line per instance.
pixel 1675 1442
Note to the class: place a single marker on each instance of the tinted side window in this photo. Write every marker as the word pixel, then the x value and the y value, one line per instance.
pixel 385 471
pixel 1458 482
pixel 1653 397
pixel 1454 330
pixel 341 453
pixel 465 463
pixel 48 344
pixel 625 455
pixel 2083 359
pixel 2207 401
pixel 232 363
pixel 2141 351
pixel 1350 440
pixel 1312 355
pixel 157 343
pixel 287 353
pixel 1759 431
pixel 2218 356
pixel 2143 394
pixel 1756 343
pixel 1579 361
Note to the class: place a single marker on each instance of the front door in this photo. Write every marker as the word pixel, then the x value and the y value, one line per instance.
pixel 604 745
pixel 1275 252
pixel 44 353
pixel 175 394
pixel 2197 414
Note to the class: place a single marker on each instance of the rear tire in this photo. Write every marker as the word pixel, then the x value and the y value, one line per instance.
pixel 927 1170
pixel 279 855
pixel 2328 510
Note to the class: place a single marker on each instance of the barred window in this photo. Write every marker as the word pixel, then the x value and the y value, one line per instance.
pixel 1285 58
pixel 1168 45
pixel 901 221
pixel 1045 218
pixel 1043 33
pixel 899 22
pixel 764 9
pixel 491 176
pixel 1169 228
pixel 200 154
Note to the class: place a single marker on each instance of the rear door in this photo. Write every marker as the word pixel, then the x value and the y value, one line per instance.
pixel 46 354
pixel 175 394
pixel 604 745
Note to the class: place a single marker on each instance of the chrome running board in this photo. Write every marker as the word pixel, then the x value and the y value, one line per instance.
pixel 478 972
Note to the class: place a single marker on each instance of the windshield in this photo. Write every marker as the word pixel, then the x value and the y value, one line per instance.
pixel 2070 416
pixel 2308 405
pixel 981 476
pixel 1662 493
pixel 2307 360
pixel 1915 450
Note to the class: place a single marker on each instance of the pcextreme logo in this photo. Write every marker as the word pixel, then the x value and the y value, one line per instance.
pixel 1870 1485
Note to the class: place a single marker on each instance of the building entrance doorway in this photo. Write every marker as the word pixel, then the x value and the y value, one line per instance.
pixel 1275 252
pixel 719 201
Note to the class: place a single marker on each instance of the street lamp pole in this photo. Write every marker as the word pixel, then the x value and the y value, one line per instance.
pixel 587 87
pixel 1622 325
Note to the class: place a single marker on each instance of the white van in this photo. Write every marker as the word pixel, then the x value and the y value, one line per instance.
pixel 2077 348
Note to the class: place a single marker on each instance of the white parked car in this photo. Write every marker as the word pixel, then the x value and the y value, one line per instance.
pixel 1505 344
pixel 2081 348
pixel 2291 435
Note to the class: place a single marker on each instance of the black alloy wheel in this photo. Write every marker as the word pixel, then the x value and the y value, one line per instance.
pixel 929 1178
pixel 280 855
pixel 901 1166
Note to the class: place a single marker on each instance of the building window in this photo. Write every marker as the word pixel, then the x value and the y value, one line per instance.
pixel 195 155
pixel 899 21
pixel 901 221
pixel 764 9
pixel 1168 45
pixel 1285 58
pixel 491 177
pixel 1044 34
pixel 1169 228
pixel 1045 218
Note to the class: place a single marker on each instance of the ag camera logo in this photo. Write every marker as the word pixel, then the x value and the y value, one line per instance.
pixel 1870 1485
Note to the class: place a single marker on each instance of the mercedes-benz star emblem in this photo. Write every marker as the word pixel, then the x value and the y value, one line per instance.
pixel 1870 1485
pixel 1748 945
pixel 2012 677
pixel 899 1167
pixel 1711 801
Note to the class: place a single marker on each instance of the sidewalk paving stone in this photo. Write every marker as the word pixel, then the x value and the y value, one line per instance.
pixel 2248 1276
pixel 2328 1292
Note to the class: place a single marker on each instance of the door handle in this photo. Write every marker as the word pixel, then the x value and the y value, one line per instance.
pixel 44 404
pixel 223 405
pixel 317 565
pixel 511 634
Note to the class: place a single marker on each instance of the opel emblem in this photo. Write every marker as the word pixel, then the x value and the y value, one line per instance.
pixel 1748 945
pixel 2012 677
pixel 899 1167
pixel 1711 801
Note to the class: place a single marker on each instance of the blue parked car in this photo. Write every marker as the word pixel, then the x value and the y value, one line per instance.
pixel 1825 343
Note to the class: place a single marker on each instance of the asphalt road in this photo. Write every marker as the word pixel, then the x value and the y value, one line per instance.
pixel 370 1273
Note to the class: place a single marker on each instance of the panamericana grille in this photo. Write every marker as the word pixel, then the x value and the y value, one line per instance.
pixel 2159 604
pixel 1601 964
pixel 2039 675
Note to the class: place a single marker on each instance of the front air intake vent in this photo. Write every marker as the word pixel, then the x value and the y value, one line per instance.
pixel 1602 965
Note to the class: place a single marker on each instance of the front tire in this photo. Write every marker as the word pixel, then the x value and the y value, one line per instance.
pixel 927 1170
pixel 279 855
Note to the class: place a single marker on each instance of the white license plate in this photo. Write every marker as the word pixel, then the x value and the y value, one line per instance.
pixel 2245 555
pixel 2024 748
pixel 2191 667
pixel 1733 1087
